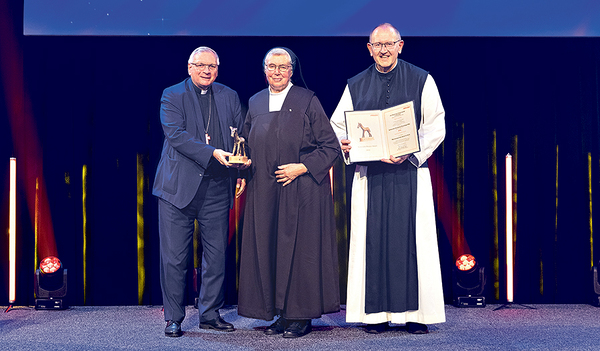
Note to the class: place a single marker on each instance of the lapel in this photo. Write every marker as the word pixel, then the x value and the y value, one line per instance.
pixel 194 120
pixel 221 112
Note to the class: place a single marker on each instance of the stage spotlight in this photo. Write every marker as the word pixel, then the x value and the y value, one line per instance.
pixel 50 285
pixel 468 282
pixel 596 280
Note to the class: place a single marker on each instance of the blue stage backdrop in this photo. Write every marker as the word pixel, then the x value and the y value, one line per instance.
pixel 312 17
pixel 95 105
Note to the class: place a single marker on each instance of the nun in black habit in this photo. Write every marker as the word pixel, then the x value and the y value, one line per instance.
pixel 289 261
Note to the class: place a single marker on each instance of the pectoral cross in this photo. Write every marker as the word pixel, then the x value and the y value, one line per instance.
pixel 207 138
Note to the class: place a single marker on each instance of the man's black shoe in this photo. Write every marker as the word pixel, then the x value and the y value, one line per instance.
pixel 297 328
pixel 173 329
pixel 377 328
pixel 276 328
pixel 217 324
pixel 416 328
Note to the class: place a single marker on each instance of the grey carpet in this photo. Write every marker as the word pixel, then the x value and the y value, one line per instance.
pixel 548 327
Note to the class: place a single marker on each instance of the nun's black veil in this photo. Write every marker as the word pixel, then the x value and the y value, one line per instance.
pixel 295 61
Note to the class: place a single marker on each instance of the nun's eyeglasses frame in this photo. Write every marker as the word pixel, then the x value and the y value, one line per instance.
pixel 282 68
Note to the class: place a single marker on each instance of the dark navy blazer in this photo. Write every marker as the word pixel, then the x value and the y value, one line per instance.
pixel 185 154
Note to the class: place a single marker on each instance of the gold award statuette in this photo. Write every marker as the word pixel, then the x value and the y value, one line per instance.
pixel 239 148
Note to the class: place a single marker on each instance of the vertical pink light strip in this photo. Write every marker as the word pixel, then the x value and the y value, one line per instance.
pixel 12 232
pixel 331 180
pixel 509 230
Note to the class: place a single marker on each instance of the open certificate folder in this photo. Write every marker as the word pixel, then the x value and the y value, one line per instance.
pixel 375 135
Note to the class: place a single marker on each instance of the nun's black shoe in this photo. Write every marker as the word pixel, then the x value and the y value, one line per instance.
pixel 297 328
pixel 277 328
pixel 173 329
pixel 377 328
pixel 417 328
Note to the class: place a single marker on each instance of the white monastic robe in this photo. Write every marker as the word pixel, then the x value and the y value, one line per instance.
pixel 430 294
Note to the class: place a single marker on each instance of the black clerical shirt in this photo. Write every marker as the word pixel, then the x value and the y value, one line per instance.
pixel 210 118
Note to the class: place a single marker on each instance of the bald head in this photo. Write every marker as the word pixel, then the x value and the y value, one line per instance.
pixel 385 45
pixel 385 27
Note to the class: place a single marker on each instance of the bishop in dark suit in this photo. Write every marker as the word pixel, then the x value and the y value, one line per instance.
pixel 195 181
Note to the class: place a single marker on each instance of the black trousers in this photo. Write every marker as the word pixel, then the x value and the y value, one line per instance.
pixel 210 207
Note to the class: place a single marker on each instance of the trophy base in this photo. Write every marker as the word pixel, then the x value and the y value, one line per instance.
pixel 238 159
pixel 367 139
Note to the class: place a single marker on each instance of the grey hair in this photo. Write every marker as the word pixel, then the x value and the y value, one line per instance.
pixel 200 50
pixel 279 51
pixel 384 25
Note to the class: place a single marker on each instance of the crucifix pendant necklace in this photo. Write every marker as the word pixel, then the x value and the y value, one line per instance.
pixel 208 123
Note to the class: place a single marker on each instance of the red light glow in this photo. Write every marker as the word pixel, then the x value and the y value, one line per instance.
pixel 465 262
pixel 49 265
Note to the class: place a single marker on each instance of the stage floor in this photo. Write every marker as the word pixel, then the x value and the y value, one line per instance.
pixel 547 327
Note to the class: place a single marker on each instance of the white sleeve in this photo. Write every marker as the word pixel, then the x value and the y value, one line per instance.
pixel 433 127
pixel 338 119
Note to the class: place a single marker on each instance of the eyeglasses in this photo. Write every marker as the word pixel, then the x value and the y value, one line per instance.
pixel 388 45
pixel 202 66
pixel 282 68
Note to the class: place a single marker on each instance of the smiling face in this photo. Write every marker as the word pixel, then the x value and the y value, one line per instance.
pixel 386 56
pixel 278 80
pixel 203 77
